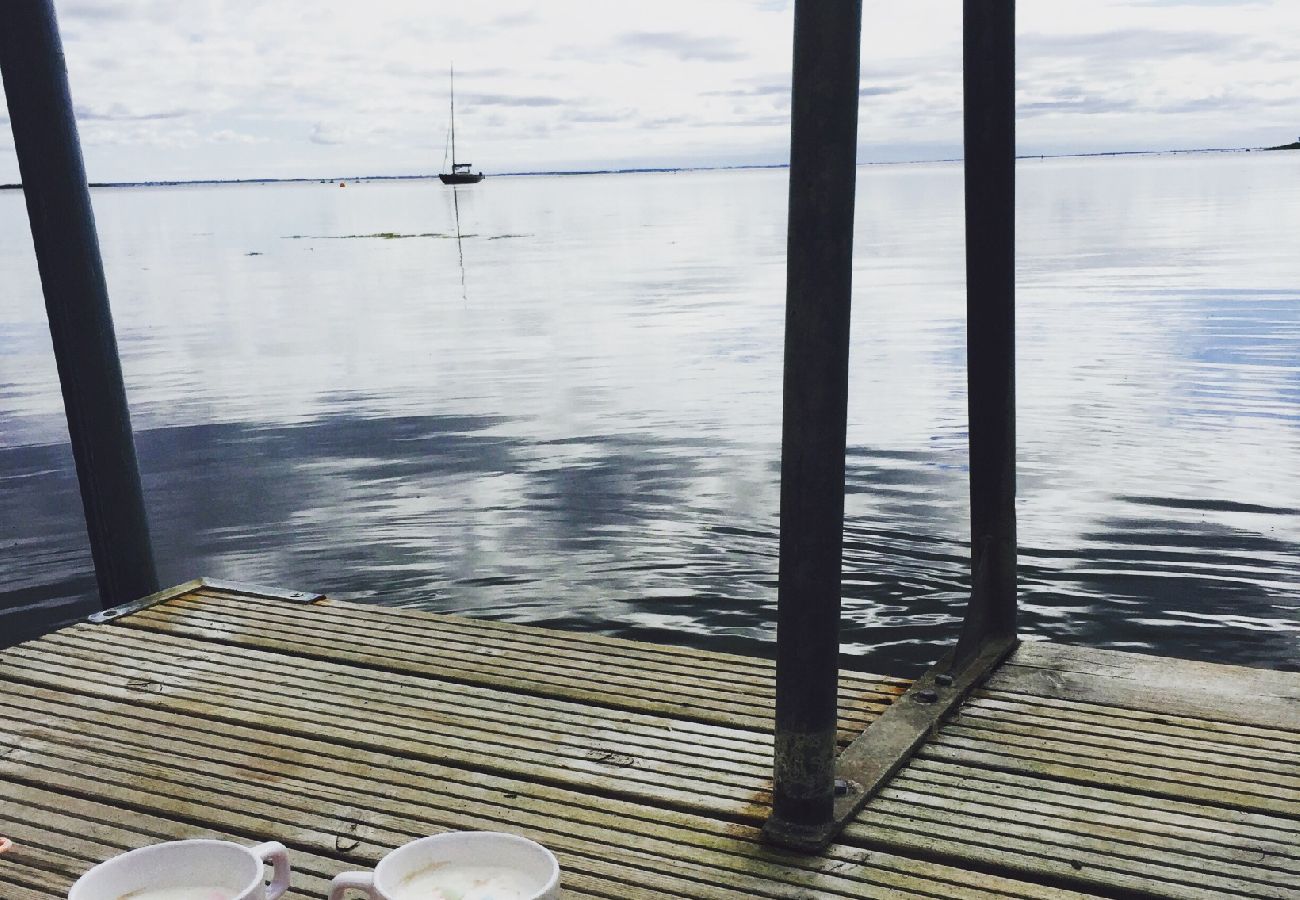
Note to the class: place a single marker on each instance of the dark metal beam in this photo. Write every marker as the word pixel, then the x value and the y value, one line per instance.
pixel 819 274
pixel 988 635
pixel 889 742
pixel 76 299
pixel 989 76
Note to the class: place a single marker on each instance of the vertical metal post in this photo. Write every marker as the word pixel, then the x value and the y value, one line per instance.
pixel 989 79
pixel 819 274
pixel 76 298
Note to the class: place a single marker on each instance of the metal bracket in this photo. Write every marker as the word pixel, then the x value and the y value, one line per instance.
pixel 889 742
pixel 171 593
pixel 256 590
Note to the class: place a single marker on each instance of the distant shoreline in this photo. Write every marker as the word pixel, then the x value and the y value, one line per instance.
pixel 640 170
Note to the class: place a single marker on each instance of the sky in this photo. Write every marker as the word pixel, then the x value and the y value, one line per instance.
pixel 271 88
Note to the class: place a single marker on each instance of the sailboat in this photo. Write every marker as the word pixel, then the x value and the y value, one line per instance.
pixel 460 172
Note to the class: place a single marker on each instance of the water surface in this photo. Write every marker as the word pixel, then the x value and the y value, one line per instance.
pixel 572 415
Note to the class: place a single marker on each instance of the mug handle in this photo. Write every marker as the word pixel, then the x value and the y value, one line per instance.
pixel 274 852
pixel 354 881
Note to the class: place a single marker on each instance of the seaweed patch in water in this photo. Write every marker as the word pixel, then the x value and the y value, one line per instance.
pixel 382 235
pixel 391 236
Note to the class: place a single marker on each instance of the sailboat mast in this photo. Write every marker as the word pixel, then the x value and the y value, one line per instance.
pixel 452 82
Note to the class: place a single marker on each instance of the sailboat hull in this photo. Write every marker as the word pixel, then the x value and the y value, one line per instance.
pixel 461 178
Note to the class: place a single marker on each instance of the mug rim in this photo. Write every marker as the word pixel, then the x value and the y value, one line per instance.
pixel 150 848
pixel 550 885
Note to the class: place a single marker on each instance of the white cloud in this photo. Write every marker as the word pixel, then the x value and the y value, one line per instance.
pixel 250 87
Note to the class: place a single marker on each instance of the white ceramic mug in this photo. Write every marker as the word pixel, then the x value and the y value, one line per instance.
pixel 529 866
pixel 183 868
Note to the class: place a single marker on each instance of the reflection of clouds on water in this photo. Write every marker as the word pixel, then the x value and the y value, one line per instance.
pixel 591 439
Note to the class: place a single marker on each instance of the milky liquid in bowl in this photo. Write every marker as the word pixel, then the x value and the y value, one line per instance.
pixel 453 881
pixel 181 893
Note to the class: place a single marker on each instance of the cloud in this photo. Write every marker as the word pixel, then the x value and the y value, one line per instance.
pixel 1138 43
pixel 515 20
pixel 228 136
pixel 1200 2
pixel 686 47
pixel 1073 100
pixel 665 121
pixel 598 118
pixel 93 10
pixel 768 121
pixel 247 85
pixel 764 90
pixel 322 133
pixel 471 100
pixel 119 113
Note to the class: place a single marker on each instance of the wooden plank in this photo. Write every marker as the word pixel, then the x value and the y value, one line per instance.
pixel 546 664
pixel 24 892
pixel 1119 842
pixel 1150 728
pixel 80 832
pixel 744 675
pixel 425 786
pixel 1103 741
pixel 956 839
pixel 695 766
pixel 1227 683
pixel 1070 767
pixel 72 852
pixel 346 729
pixel 1107 839
pixel 1212 825
pixel 1113 844
pixel 1235 694
pixel 240 768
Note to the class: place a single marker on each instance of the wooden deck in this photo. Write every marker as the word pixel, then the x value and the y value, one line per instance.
pixel 345 730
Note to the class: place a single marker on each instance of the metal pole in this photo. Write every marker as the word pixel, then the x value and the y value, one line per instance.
pixel 990 135
pixel 819 275
pixel 76 298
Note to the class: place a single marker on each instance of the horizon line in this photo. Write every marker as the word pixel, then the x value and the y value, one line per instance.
pixel 625 171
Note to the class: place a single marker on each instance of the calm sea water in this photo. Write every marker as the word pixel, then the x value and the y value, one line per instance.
pixel 572 415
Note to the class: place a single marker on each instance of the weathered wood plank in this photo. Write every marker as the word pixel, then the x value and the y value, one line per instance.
pixel 243 776
pixel 72 850
pixel 447 647
pixel 1182 820
pixel 1264 738
pixel 1158 733
pixel 952 839
pixel 1114 844
pixel 87 831
pixel 660 760
pixel 1253 697
pixel 1067 767
pixel 1103 752
pixel 345 729
pixel 1228 683
pixel 1107 839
